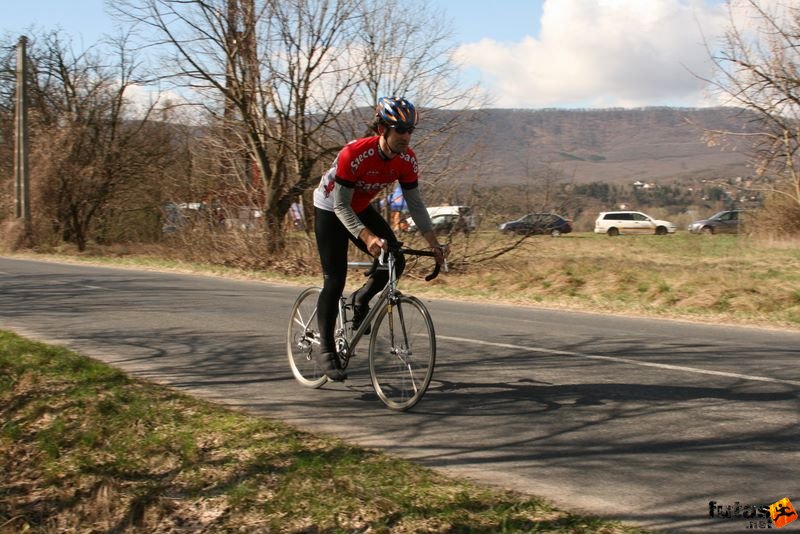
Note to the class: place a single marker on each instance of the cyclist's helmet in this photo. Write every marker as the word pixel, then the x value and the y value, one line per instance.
pixel 396 111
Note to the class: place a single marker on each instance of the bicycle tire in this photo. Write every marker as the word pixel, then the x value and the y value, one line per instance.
pixel 302 341
pixel 402 353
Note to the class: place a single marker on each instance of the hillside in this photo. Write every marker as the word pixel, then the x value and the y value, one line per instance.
pixel 614 145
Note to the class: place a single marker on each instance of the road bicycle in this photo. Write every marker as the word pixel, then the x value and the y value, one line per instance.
pixel 402 342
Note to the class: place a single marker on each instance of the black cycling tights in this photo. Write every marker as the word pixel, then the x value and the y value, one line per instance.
pixel 332 241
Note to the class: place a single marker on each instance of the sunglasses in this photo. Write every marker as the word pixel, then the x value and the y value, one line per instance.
pixel 402 130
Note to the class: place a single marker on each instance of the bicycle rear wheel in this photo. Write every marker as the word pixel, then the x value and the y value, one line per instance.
pixel 402 353
pixel 303 338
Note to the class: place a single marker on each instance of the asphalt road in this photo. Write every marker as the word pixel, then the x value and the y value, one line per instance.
pixel 640 420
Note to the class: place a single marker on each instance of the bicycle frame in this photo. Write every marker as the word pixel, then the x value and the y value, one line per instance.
pixel 388 295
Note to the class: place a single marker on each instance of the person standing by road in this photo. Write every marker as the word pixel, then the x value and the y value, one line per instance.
pixel 343 213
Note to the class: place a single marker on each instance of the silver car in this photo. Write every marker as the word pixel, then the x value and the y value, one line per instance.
pixel 724 222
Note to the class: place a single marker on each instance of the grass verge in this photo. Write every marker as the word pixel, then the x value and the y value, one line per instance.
pixel 720 279
pixel 84 447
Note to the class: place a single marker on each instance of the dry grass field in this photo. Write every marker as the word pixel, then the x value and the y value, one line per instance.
pixel 718 278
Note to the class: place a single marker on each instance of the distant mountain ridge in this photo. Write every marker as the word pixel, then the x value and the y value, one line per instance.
pixel 660 145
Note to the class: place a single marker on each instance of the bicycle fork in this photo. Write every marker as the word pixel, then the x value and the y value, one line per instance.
pixel 399 341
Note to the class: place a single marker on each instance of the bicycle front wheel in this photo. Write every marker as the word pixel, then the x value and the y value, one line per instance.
pixel 303 340
pixel 402 353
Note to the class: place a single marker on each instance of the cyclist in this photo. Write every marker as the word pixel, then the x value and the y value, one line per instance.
pixel 343 213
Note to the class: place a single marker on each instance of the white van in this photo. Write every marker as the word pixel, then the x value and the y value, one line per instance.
pixel 448 219
pixel 631 222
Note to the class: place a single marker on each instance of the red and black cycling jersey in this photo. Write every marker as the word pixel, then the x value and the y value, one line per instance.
pixel 361 165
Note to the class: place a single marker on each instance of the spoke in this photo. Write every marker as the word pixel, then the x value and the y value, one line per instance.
pixel 413 380
pixel 299 319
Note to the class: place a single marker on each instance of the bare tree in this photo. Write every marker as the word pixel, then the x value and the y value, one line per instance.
pixel 291 81
pixel 758 68
pixel 312 87
pixel 91 144
pixel 409 52
pixel 7 92
pixel 270 72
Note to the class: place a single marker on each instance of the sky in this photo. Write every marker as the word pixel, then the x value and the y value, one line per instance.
pixel 524 53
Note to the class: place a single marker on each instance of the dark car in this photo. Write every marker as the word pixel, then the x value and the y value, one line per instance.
pixel 724 222
pixel 538 223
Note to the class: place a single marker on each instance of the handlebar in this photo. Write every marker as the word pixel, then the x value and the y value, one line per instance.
pixel 415 252
pixel 434 274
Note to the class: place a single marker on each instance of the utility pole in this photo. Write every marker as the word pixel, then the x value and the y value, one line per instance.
pixel 23 208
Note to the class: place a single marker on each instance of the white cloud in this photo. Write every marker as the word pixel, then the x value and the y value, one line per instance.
pixel 604 53
pixel 167 105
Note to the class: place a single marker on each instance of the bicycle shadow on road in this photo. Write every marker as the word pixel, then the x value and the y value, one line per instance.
pixel 595 373
pixel 498 398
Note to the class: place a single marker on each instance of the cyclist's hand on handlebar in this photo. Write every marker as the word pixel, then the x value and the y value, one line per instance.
pixel 374 243
pixel 441 252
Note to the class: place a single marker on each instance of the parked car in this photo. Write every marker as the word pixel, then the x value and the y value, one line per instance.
pixel 447 223
pixel 538 223
pixel 631 222
pixel 724 222
pixel 177 215
pixel 447 219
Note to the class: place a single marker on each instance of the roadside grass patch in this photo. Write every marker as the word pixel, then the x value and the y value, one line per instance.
pixel 83 447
